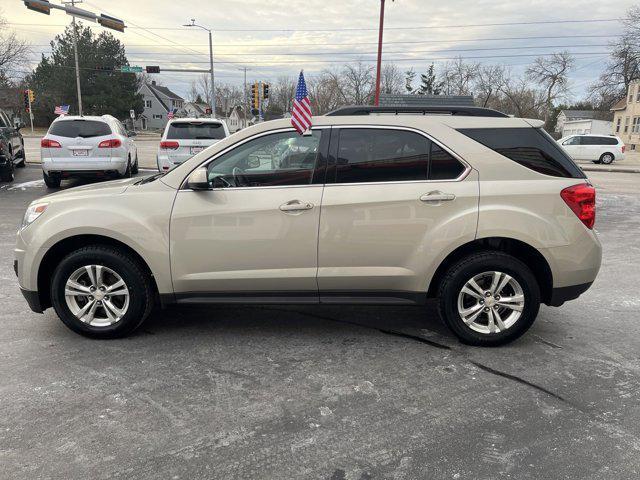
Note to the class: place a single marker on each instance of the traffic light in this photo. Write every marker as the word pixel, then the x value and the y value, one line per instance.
pixel 25 100
pixel 111 22
pixel 104 68
pixel 31 95
pixel 255 96
pixel 265 91
pixel 41 6
pixel 153 69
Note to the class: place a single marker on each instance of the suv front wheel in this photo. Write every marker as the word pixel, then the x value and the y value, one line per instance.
pixel 489 298
pixel 101 292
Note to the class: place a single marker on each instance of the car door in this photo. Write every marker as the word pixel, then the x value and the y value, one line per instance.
pixel 11 134
pixel 255 232
pixel 394 202
pixel 572 146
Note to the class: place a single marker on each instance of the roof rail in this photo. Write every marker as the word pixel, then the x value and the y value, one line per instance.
pixel 435 110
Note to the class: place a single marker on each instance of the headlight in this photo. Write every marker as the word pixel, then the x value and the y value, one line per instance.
pixel 33 212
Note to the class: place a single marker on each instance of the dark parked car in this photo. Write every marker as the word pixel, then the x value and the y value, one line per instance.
pixel 11 147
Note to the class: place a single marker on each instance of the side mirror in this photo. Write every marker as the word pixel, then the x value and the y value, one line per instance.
pixel 131 133
pixel 198 179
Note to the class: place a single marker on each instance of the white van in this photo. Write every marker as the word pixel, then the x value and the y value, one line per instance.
pixel 595 148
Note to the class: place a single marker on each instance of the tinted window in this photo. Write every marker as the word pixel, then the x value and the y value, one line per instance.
pixel 530 147
pixel 443 166
pixel 572 141
pixel 279 159
pixel 378 155
pixel 196 131
pixel 79 128
pixel 599 141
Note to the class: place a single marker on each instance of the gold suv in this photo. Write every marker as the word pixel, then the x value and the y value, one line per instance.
pixel 483 212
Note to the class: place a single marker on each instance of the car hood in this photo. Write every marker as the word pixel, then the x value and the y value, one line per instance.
pixel 113 187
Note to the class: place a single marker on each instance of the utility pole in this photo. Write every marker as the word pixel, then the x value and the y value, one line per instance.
pixel 246 103
pixel 378 66
pixel 213 88
pixel 75 54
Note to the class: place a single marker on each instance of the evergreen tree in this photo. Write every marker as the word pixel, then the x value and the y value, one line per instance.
pixel 104 90
pixel 429 84
pixel 409 76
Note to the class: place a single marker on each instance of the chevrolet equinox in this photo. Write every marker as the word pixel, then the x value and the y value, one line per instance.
pixel 483 212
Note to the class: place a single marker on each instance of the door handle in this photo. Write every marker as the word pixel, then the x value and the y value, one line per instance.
pixel 296 206
pixel 437 196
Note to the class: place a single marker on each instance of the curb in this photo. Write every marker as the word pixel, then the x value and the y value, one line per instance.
pixel 619 170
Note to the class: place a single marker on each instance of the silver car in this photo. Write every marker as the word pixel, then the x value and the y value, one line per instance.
pixel 184 137
pixel 87 146
pixel 483 213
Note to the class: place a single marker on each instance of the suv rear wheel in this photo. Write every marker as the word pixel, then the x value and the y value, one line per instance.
pixel 607 158
pixel 489 298
pixel 51 181
pixel 101 292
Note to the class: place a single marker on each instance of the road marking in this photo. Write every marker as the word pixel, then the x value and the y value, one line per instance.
pixel 24 185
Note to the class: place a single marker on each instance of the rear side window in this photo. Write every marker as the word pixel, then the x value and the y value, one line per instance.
pixel 79 128
pixel 388 155
pixel 530 147
pixel 195 131
pixel 599 141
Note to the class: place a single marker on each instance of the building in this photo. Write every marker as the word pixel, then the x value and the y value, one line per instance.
pixel 236 120
pixel 403 100
pixel 196 110
pixel 579 127
pixel 626 117
pixel 158 102
pixel 574 115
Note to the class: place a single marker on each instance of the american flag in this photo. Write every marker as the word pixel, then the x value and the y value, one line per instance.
pixel 301 111
pixel 61 110
pixel 172 113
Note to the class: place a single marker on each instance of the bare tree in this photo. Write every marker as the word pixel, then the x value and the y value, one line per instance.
pixel 12 51
pixel 552 74
pixel 488 83
pixel 391 79
pixel 324 92
pixel 357 83
pixel 204 87
pixel 457 77
pixel 282 93
pixel 193 94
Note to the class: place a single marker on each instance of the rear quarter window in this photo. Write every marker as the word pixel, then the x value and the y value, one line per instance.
pixel 600 141
pixel 530 147
pixel 79 128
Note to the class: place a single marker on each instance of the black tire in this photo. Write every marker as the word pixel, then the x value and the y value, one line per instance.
pixel 50 181
pixel 597 161
pixel 475 264
pixel 127 172
pixel 141 297
pixel 23 159
pixel 134 169
pixel 607 158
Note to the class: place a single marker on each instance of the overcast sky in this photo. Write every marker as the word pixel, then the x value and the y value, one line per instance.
pixel 272 37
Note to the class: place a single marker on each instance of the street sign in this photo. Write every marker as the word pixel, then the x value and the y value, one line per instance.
pixel 153 69
pixel 131 69
pixel 132 114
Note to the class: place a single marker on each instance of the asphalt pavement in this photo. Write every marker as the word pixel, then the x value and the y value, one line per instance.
pixel 322 392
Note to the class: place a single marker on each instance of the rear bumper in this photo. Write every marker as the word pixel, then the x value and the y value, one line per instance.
pixel 83 165
pixel 564 294
pixel 33 300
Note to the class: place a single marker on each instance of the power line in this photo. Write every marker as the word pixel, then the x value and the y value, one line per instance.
pixel 351 29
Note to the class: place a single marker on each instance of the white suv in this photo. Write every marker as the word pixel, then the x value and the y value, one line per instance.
pixel 483 212
pixel 184 137
pixel 87 146
pixel 595 148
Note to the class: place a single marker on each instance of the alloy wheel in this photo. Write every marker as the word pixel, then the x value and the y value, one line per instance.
pixel 97 295
pixel 491 302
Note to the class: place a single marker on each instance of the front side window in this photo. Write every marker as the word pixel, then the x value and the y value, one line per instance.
pixel 79 128
pixel 572 141
pixel 279 159
pixel 531 147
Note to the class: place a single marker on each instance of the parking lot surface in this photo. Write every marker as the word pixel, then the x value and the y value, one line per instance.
pixel 335 393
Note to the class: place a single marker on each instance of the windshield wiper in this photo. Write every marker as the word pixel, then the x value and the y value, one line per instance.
pixel 150 178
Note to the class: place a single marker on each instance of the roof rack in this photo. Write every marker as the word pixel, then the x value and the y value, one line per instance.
pixel 435 110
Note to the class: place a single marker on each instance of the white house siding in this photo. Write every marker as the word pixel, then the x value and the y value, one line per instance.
pixel 580 127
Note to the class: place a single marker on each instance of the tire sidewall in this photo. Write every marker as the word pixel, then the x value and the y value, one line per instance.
pixel 605 156
pixel 138 292
pixel 464 271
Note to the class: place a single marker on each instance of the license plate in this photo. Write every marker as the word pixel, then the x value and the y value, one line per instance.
pixel 195 150
pixel 80 153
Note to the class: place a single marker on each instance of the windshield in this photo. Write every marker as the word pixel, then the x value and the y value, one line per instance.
pixel 79 128
pixel 195 131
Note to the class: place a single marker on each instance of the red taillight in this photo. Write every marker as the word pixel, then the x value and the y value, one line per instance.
pixel 169 145
pixel 46 143
pixel 582 200
pixel 111 143
pixel 623 148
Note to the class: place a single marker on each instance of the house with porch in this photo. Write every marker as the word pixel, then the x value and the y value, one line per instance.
pixel 158 102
